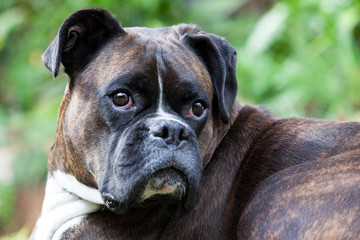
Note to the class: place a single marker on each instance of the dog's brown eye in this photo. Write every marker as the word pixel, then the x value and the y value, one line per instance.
pixel 122 100
pixel 197 109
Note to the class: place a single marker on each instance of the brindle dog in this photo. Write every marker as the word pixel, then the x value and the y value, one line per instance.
pixel 151 144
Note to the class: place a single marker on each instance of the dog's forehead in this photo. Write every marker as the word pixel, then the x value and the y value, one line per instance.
pixel 140 50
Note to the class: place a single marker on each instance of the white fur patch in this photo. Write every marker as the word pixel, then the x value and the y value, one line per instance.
pixel 160 107
pixel 169 117
pixel 71 184
pixel 66 202
pixel 75 221
pixel 161 114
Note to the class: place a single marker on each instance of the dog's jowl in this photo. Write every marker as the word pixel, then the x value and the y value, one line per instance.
pixel 151 144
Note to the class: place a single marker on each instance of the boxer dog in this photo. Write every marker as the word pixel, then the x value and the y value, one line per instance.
pixel 151 144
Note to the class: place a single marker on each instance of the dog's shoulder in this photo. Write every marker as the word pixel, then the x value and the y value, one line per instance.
pixel 273 144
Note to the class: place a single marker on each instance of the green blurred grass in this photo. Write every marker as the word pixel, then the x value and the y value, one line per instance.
pixel 298 58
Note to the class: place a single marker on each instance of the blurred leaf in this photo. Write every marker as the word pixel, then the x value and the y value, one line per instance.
pixel 9 19
pixel 3 117
pixel 29 168
pixel 266 30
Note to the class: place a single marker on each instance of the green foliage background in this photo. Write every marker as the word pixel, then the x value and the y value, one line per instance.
pixel 296 57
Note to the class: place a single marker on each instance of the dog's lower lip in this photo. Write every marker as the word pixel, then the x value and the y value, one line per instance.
pixel 168 184
pixel 164 187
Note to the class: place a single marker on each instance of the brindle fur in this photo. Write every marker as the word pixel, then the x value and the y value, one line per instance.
pixel 263 177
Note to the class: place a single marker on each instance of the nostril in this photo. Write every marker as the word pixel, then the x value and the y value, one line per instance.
pixel 171 133
pixel 162 132
pixel 183 135
pixel 165 132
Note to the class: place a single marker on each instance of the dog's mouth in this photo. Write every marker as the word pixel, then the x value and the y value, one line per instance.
pixel 167 184
pixel 166 187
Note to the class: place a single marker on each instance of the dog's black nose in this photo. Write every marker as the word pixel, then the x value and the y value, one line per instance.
pixel 173 133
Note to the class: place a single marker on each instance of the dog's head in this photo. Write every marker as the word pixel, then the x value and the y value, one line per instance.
pixel 144 108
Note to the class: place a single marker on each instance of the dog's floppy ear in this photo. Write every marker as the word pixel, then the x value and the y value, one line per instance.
pixel 80 35
pixel 220 60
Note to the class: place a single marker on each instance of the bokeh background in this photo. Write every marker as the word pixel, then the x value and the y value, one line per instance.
pixel 296 57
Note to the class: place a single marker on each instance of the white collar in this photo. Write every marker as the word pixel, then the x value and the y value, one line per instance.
pixel 66 202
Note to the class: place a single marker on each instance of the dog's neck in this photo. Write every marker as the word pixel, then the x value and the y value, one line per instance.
pixel 66 202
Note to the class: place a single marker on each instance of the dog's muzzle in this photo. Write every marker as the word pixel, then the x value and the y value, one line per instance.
pixel 160 165
pixel 167 186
